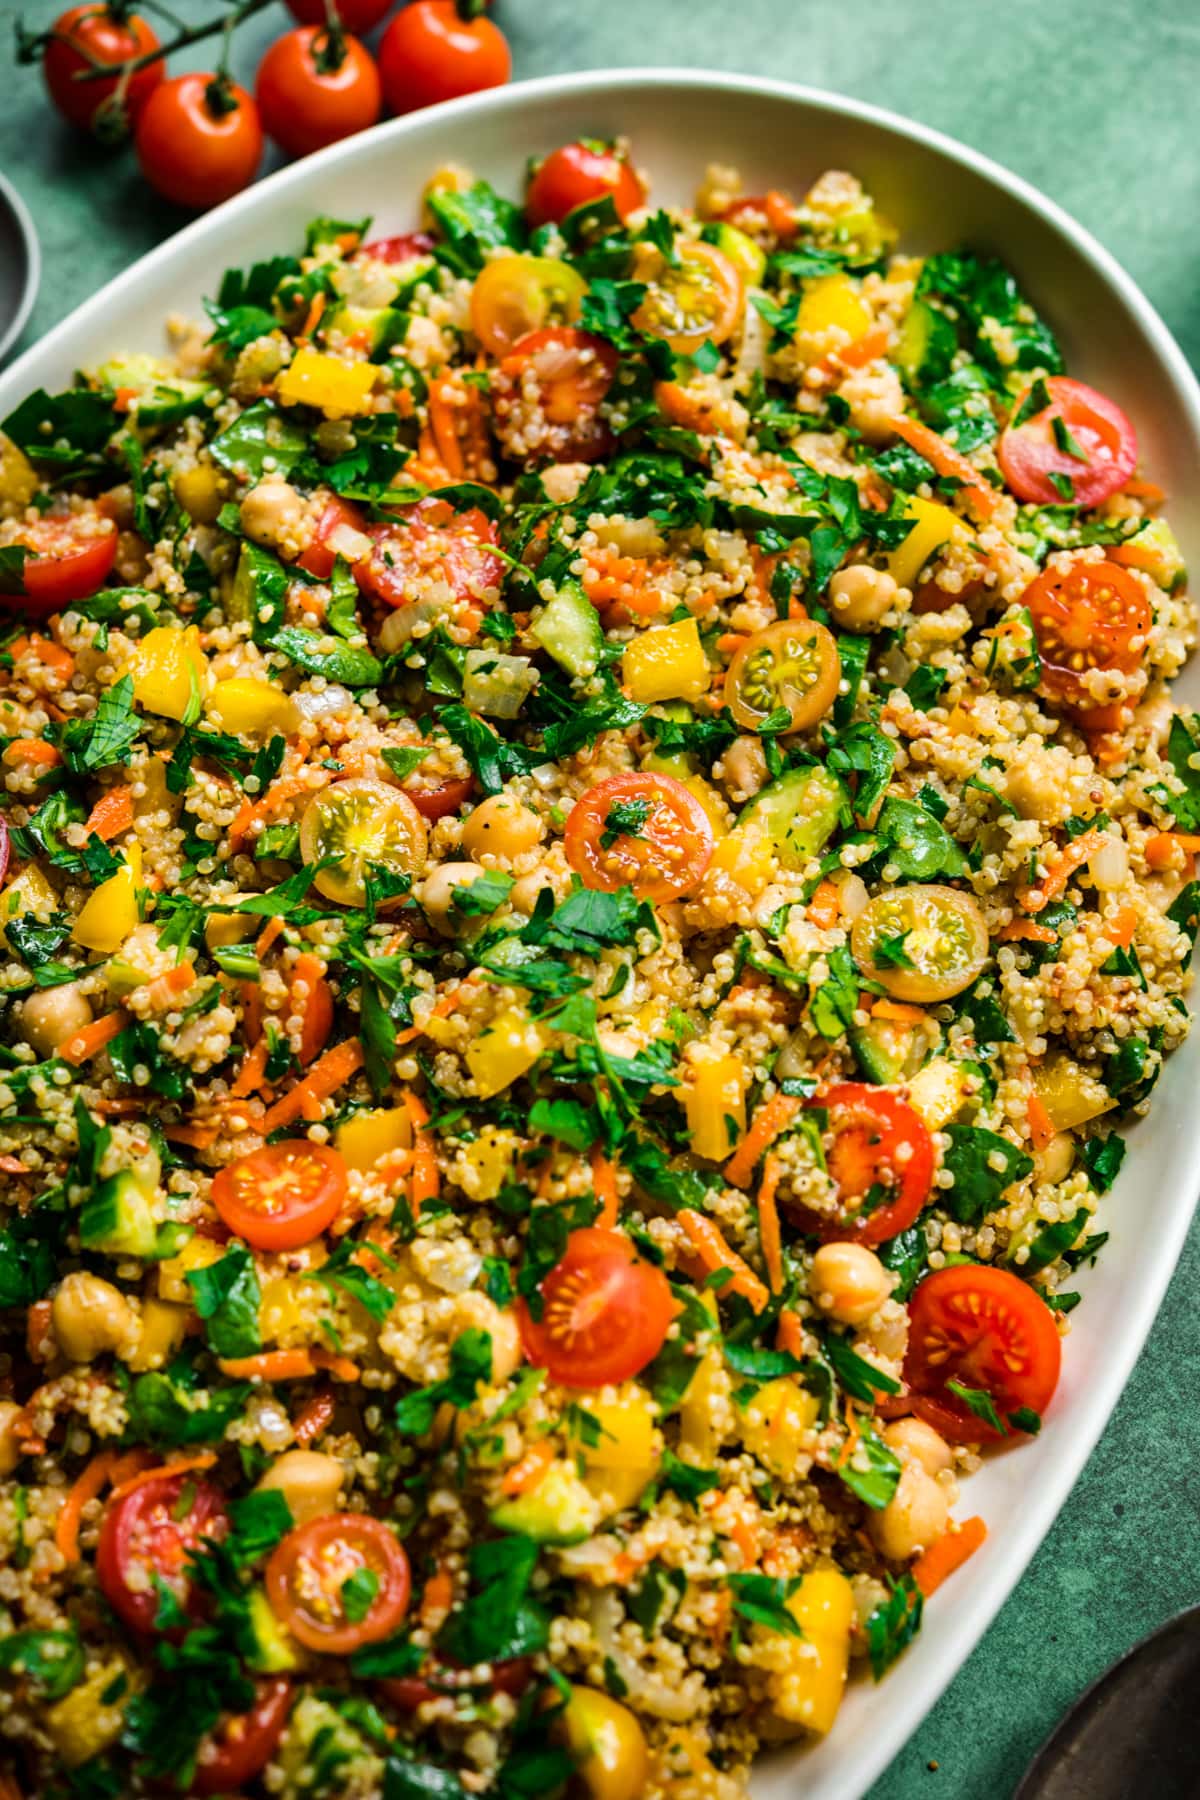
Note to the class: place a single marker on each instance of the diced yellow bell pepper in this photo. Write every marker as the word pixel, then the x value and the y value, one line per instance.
pixel 624 1459
pixel 808 1690
pixel 82 1723
pixel 252 708
pixel 831 302
pixel 173 1271
pixel 111 913
pixel 490 1156
pixel 336 388
pixel 18 477
pixel 168 670
pixel 777 1424
pixel 742 252
pixel 748 857
pixel 223 929
pixel 28 892
pixel 608 1744
pixel 506 1050
pixel 368 1136
pixel 164 1327
pixel 715 1095
pixel 290 1310
pixel 933 525
pixel 938 1091
pixel 667 663
pixel 1069 1093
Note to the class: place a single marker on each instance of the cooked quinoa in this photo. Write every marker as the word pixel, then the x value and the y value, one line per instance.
pixel 594 845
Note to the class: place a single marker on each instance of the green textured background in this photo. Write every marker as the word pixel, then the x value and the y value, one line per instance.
pixel 1090 100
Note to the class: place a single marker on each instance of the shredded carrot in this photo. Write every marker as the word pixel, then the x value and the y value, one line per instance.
pixel 165 988
pixel 12 1165
pixel 442 1007
pixel 269 1365
pixel 1042 1128
pixel 250 995
pixel 528 1471
pixel 770 1119
pixel 37 1328
pixel 260 811
pixel 131 1463
pixel 340 1367
pixel 947 461
pixel 83 1045
pixel 684 406
pixel 315 311
pixel 179 1465
pixel 853 1434
pixel 1149 491
pixel 948 1554
pixel 715 1254
pixel 730 640
pixel 1061 870
pixel 86 1487
pixel 33 750
pixel 331 1072
pixel 604 1184
pixel 857 355
pixel 314 1417
pixel 825 907
pixel 9 1786
pixel 317 1007
pixel 424 1184
pixel 456 420
pixel 1020 931
pixel 789 1334
pixel 1163 851
pixel 768 1223
pixel 193 1137
pixel 252 1072
pixel 49 654
pixel 1121 928
pixel 437 1597
pixel 112 813
pixel 267 936
pixel 899 1011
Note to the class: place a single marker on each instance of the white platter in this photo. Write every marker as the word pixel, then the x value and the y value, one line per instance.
pixel 939 194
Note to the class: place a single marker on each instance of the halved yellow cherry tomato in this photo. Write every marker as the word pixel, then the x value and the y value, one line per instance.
pixel 518 294
pixel 793 664
pixel 366 824
pixel 695 301
pixel 936 940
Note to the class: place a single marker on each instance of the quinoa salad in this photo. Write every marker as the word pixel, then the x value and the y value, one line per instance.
pixel 594 853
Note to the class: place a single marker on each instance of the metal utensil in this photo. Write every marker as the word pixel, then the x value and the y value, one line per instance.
pixel 1133 1731
pixel 20 264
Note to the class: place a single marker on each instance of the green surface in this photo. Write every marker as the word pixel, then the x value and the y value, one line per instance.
pixel 1092 101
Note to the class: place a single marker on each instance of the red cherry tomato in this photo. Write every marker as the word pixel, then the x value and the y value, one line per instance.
pixel 307 1576
pixel 1082 437
pixel 645 831
pixel 429 540
pixel 407 1692
pixel 282 1196
pixel 576 174
pixel 774 209
pixel 199 141
pixel 5 846
pixel 429 53
pixel 243 1743
pixel 341 530
pixel 90 34
pixel 393 250
pixel 358 16
pixel 881 1151
pixel 69 559
pixel 144 1542
pixel 1096 615
pixel 569 372
pixel 985 1329
pixel 439 802
pixel 605 1312
pixel 313 90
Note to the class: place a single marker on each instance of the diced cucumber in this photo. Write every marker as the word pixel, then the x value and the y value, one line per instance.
pixel 559 1510
pixel 379 327
pixel 926 344
pixel 270 1650
pixel 568 628
pixel 119 1220
pixel 882 1049
pixel 742 252
pixel 162 397
pixel 799 812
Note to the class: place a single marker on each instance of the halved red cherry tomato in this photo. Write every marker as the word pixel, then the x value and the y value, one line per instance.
pixel 146 1539
pixel 644 831
pixel 432 541
pixel 882 1160
pixel 577 174
pixel 793 664
pixel 313 90
pixel 985 1329
pixel 695 301
pixel 407 1692
pixel 777 209
pixel 282 1196
pixel 433 50
pixel 86 37
pixel 605 1312
pixel 307 1580
pixel 395 250
pixel 1095 616
pixel 69 558
pixel 1081 436
pixel 243 1743
pixel 516 295
pixel 569 372
pixel 341 530
pixel 440 802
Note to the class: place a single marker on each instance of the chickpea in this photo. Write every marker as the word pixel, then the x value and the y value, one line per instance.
pixel 91 1316
pixel 525 890
pixel 272 511
pixel 201 492
pixel 860 596
pixel 475 1311
pixel 1054 1162
pixel 744 767
pixel 436 894
pixel 915 1517
pixel 502 827
pixel 50 1017
pixel 849 1282
pixel 309 1481
pixel 10 1449
pixel 915 1441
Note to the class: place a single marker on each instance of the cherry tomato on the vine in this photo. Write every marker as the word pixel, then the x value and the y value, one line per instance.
pixel 315 87
pixel 282 1196
pixel 604 1312
pixel 69 558
pixel 339 1582
pixel 145 1541
pixel 241 1744
pixel 90 34
pixel 439 50
pixel 577 174
pixel 199 140
pixel 647 831
pixel 1077 446
pixel 359 16
pixel 881 1157
pixel 986 1330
